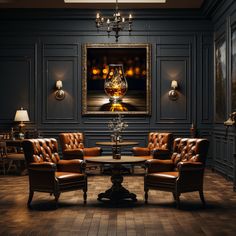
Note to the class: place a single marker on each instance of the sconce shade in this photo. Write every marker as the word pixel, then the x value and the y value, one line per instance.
pixel 173 95
pixel 174 84
pixel 59 94
pixel 59 84
pixel 21 115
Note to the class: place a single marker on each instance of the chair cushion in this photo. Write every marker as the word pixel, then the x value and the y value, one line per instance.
pixel 163 177
pixel 64 177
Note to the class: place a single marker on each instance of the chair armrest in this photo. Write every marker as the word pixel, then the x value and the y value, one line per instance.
pixel 190 175
pixel 75 165
pixel 43 166
pixel 156 165
pixel 73 153
pixel 161 154
pixel 93 151
pixel 190 166
pixel 141 151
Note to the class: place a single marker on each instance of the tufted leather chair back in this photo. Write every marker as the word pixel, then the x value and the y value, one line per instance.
pixel 72 140
pixel 41 150
pixel 189 149
pixel 160 140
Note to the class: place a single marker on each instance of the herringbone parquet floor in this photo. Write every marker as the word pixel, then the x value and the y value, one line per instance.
pixel 159 217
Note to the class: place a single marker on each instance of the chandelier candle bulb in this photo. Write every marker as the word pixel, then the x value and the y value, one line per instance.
pixel 116 23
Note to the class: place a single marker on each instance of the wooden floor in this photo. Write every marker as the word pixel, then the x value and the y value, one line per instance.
pixel 159 217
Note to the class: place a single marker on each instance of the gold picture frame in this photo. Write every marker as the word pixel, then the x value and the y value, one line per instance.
pixel 136 61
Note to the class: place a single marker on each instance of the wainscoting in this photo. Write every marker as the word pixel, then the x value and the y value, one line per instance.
pixel 39 46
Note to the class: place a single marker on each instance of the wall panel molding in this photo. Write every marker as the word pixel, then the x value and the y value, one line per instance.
pixel 18 80
pixel 60 63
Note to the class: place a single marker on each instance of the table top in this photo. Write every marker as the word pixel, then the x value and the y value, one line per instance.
pixel 123 143
pixel 110 160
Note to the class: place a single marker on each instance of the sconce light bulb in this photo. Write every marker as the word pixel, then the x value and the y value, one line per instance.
pixel 173 95
pixel 174 84
pixel 59 84
pixel 59 94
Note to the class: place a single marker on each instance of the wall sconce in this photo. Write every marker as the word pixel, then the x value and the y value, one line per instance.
pixel 21 116
pixel 173 95
pixel 59 94
pixel 231 121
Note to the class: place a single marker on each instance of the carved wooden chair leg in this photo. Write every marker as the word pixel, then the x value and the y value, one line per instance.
pixel 174 196
pixel 31 194
pixel 146 195
pixel 57 195
pixel 177 200
pixel 202 198
pixel 85 195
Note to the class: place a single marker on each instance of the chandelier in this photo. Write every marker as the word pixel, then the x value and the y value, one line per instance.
pixel 116 23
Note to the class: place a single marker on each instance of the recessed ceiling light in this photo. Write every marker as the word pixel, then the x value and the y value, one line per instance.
pixel 112 1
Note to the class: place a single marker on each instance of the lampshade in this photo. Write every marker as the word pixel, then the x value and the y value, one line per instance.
pixel 59 84
pixel 21 115
pixel 174 84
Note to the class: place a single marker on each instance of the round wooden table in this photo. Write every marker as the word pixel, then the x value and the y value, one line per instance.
pixel 116 146
pixel 117 192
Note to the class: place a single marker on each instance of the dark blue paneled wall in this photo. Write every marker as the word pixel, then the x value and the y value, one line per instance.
pixel 35 46
pixel 223 143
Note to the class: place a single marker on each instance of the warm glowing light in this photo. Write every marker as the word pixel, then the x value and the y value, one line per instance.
pixel 105 71
pixel 130 72
pixel 95 71
pixel 174 84
pixel 118 107
pixel 137 70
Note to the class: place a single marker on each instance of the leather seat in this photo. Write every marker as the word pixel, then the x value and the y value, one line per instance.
pixel 183 172
pixel 159 146
pixel 73 146
pixel 48 173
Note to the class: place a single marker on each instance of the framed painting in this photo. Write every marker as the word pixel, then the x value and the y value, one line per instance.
pixel 233 70
pixel 220 81
pixel 116 79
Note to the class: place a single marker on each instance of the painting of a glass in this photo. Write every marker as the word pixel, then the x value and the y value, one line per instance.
pixel 233 61
pixel 220 82
pixel 116 79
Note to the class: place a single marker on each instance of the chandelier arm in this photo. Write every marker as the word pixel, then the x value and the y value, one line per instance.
pixel 116 23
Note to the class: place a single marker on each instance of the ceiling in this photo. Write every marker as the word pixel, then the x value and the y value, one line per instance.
pixel 170 4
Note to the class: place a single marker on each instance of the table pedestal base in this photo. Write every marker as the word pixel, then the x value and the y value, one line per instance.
pixel 117 192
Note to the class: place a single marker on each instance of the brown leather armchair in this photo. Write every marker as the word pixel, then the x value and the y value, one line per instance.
pixel 159 146
pixel 73 146
pixel 182 173
pixel 47 173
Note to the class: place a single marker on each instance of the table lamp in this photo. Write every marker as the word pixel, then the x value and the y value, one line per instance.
pixel 21 116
